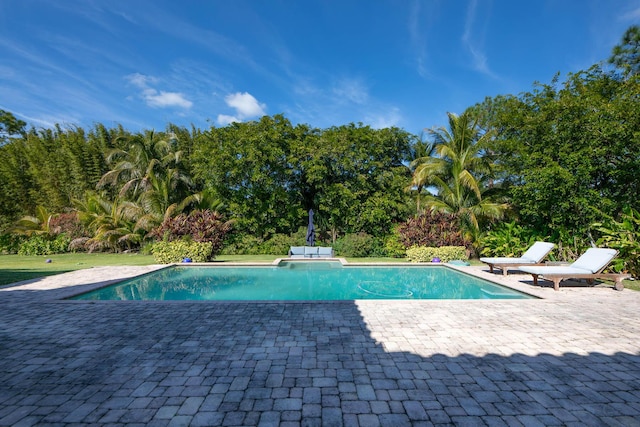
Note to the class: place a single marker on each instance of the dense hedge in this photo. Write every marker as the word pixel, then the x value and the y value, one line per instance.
pixel 44 245
pixel 445 253
pixel 178 250
pixel 359 245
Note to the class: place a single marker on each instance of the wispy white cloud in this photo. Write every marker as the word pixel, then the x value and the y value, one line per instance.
pixel 246 106
pixel 344 99
pixel 351 90
pixel 156 18
pixel 474 41
pixel 630 15
pixel 155 98
pixel 385 119
pixel 42 121
pixel 417 37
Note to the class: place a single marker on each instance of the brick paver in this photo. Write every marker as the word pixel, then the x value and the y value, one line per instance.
pixel 572 358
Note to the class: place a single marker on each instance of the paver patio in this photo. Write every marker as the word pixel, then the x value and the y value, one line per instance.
pixel 572 358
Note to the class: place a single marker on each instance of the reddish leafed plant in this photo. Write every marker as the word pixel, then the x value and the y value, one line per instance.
pixel 200 225
pixel 67 223
pixel 432 229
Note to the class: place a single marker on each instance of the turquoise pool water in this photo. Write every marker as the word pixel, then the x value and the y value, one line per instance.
pixel 306 281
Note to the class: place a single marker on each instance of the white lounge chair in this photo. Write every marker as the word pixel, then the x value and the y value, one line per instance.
pixel 533 256
pixel 589 266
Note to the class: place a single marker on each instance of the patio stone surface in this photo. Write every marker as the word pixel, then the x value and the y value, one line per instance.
pixel 571 358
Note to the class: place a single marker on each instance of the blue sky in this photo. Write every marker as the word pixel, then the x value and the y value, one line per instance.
pixel 405 63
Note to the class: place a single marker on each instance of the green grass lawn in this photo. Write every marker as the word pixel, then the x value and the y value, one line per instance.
pixel 16 268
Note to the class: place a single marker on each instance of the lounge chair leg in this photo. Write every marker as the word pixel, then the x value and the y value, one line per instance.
pixel 556 284
pixel 619 285
pixel 535 279
pixel 504 271
pixel 490 268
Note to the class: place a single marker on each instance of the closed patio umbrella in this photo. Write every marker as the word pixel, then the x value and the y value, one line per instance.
pixel 311 231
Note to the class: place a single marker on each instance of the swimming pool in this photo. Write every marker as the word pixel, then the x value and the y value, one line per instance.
pixel 306 281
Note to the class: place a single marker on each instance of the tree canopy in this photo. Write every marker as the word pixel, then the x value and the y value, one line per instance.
pixel 568 152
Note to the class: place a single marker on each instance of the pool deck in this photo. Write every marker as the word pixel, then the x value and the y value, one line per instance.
pixel 571 358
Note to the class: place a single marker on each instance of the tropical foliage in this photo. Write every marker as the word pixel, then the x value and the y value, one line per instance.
pixel 568 152
pixel 460 173
pixel 623 234
pixel 559 162
pixel 509 239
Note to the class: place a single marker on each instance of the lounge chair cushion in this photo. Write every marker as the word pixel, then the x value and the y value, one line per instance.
pixel 325 252
pixel 296 250
pixel 538 251
pixel 310 251
pixel 595 259
pixel 533 255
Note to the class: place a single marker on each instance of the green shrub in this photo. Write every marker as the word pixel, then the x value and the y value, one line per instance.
pixel 242 244
pixel 10 243
pixel 509 239
pixel 358 245
pixel 278 244
pixel 394 247
pixel 623 235
pixel 445 253
pixel 44 245
pixel 169 252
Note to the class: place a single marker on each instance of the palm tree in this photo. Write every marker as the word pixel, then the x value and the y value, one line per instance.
pixel 460 173
pixel 420 151
pixel 112 223
pixel 34 225
pixel 161 200
pixel 151 173
pixel 134 167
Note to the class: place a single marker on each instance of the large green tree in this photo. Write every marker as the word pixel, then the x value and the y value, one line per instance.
pixel 569 151
pixel 270 173
pixel 248 167
pixel 358 175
